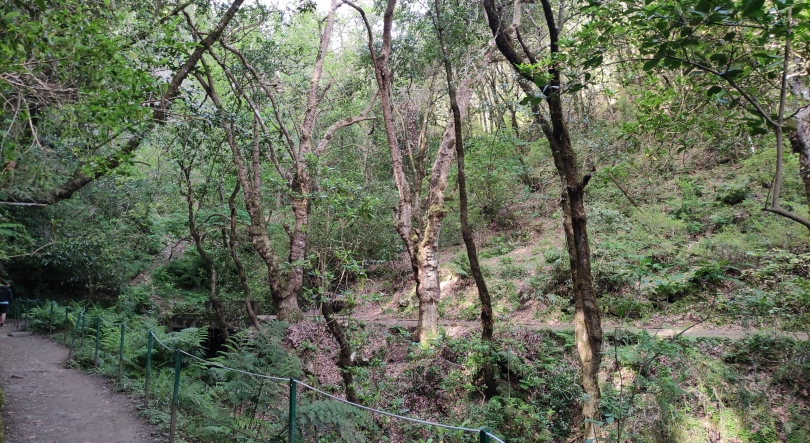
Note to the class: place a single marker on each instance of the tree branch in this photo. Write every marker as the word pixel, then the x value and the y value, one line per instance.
pixel 343 123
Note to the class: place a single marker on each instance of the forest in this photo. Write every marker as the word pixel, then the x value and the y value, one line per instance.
pixel 481 213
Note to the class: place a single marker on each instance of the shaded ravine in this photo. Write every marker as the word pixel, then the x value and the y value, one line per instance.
pixel 47 403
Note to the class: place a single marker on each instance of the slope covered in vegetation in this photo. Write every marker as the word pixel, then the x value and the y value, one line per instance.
pixel 206 164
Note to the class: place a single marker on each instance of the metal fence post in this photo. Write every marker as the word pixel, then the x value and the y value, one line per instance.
pixel 26 313
pixel 50 319
pixel 121 353
pixel 98 338
pixel 148 369
pixel 483 436
pixel 65 323
pixel 73 338
pixel 291 418
pixel 178 365
pixel 81 330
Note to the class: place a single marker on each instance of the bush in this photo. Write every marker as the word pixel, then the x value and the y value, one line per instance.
pixel 733 193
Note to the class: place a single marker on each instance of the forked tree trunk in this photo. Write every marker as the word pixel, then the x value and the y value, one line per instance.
pixel 422 249
pixel 250 180
pixel 285 283
pixel 427 251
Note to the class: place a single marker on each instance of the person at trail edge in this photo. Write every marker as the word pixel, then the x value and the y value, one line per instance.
pixel 6 297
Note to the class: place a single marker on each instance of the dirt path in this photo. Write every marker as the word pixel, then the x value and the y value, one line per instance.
pixel 456 327
pixel 47 403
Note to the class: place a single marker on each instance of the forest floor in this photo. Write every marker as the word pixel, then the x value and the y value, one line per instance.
pixel 45 402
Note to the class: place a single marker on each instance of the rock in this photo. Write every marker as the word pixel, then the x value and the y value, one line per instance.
pixel 409 299
pixel 21 334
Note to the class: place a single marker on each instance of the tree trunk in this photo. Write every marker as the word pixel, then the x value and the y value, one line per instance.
pixel 588 323
pixel 800 138
pixel 240 268
pixel 219 313
pixel 487 323
pixel 345 361
pixel 250 179
pixel 216 304
pixel 422 252
pixel 298 235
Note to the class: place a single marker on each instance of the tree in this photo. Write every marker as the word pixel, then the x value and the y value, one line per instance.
pixel 186 163
pixel 745 55
pixel 285 281
pixel 80 68
pixel 542 81
pixel 487 322
pixel 418 222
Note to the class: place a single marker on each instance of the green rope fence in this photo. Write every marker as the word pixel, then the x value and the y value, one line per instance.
pixel 206 400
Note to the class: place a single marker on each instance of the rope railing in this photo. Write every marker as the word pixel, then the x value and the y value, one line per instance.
pixel 250 413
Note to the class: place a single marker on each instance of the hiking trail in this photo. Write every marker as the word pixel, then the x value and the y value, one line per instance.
pixel 45 402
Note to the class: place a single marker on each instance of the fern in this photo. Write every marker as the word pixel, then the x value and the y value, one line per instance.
pixel 14 230
pixel 334 420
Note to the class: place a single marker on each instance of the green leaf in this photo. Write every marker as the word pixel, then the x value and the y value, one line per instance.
pixel 650 64
pixel 532 100
pixel 714 90
pixel 593 62
pixel 732 72
pixel 576 87
pixel 719 58
pixel 703 6
pixel 671 63
pixel 752 7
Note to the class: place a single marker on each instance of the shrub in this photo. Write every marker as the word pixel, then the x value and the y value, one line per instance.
pixel 733 193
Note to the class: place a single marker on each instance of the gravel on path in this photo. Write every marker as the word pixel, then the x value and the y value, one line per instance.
pixel 47 403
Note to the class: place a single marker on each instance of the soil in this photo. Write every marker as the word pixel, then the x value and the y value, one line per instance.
pixel 47 403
